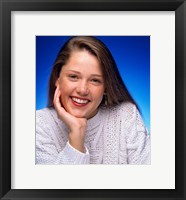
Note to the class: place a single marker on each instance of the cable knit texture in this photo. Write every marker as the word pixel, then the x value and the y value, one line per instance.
pixel 114 135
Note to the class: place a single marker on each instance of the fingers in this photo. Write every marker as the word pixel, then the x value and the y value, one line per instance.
pixel 56 101
pixel 61 112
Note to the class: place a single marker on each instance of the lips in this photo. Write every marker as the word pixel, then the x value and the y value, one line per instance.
pixel 80 101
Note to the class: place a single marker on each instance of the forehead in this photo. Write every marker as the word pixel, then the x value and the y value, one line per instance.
pixel 83 60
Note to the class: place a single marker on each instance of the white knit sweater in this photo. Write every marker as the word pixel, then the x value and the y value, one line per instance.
pixel 114 136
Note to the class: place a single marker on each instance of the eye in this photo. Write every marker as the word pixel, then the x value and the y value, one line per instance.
pixel 96 81
pixel 73 76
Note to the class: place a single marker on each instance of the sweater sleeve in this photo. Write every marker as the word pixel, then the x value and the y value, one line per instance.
pixel 138 141
pixel 48 153
pixel 70 155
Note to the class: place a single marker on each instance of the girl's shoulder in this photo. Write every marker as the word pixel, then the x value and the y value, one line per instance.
pixel 45 115
pixel 44 111
pixel 122 108
pixel 126 107
pixel 124 112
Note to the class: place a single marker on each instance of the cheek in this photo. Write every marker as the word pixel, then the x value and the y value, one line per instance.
pixel 64 96
pixel 66 91
pixel 64 87
pixel 98 94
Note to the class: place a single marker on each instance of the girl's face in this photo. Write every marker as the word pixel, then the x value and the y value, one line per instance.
pixel 81 84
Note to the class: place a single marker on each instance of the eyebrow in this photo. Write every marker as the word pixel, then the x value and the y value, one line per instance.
pixel 91 74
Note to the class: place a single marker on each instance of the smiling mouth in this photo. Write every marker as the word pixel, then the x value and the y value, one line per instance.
pixel 80 102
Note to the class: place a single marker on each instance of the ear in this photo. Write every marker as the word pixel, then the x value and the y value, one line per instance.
pixel 57 82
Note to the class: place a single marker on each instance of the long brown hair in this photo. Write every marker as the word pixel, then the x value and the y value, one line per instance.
pixel 116 91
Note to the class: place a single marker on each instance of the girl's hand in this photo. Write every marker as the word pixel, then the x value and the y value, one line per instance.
pixel 76 125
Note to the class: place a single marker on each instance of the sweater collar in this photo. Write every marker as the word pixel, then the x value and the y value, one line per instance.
pixel 94 121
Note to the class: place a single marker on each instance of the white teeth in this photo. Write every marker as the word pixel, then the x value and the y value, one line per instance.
pixel 79 100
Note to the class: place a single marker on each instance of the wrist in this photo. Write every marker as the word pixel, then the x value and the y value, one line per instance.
pixel 78 146
pixel 78 129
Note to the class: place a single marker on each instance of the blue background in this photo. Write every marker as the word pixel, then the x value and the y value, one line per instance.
pixel 132 56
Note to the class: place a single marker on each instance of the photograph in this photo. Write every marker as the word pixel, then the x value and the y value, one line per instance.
pixel 93 100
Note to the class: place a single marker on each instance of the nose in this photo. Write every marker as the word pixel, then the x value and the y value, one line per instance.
pixel 82 88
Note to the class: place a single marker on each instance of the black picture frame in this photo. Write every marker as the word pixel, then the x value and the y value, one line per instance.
pixel 6 6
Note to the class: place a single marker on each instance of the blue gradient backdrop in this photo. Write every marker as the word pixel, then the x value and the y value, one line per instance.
pixel 132 56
